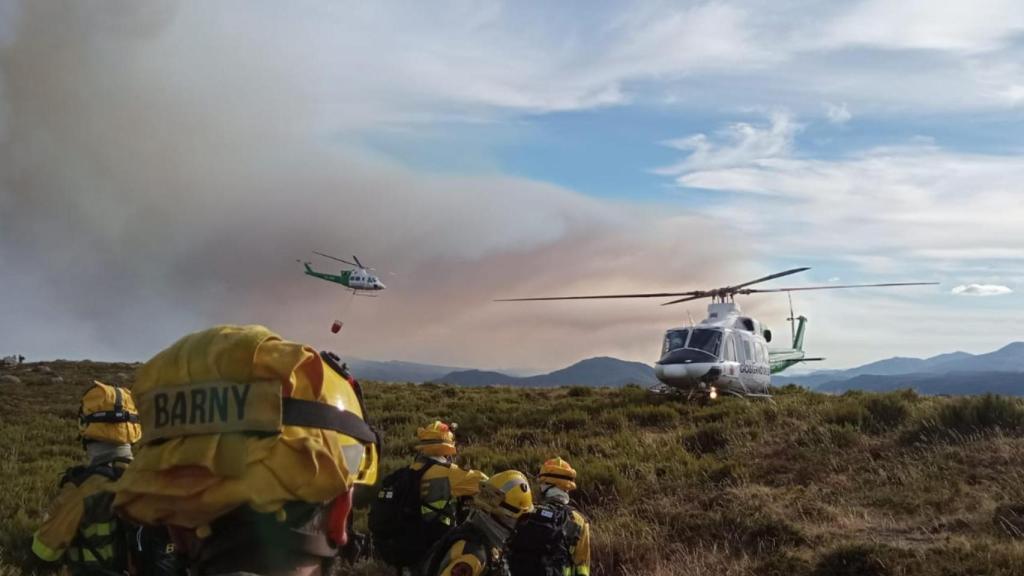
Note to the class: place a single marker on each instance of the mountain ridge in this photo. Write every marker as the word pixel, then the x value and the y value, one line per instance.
pixel 953 372
pixel 956 372
pixel 600 371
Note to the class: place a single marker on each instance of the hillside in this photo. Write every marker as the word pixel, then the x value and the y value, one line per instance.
pixel 810 485
pixel 952 383
pixel 601 372
pixel 398 371
pixel 931 372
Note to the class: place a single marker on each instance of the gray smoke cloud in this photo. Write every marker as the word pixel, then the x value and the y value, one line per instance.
pixel 163 164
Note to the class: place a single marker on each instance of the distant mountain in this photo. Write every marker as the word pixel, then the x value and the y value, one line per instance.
pixel 954 383
pixel 1009 358
pixel 599 372
pixel 396 371
pixel 955 369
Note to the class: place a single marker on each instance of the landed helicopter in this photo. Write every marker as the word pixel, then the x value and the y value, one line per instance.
pixel 726 352
pixel 358 279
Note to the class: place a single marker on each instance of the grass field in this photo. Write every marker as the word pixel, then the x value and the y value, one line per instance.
pixel 860 484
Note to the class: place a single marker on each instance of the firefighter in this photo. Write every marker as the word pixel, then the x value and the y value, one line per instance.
pixel 444 486
pixel 250 451
pixel 477 546
pixel 80 528
pixel 418 504
pixel 554 539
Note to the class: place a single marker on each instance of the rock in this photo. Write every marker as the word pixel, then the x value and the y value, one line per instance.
pixel 9 379
pixel 45 370
pixel 57 380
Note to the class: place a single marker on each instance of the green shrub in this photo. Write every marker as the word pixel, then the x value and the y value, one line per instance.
pixel 846 412
pixel 855 560
pixel 611 422
pixel 707 439
pixel 887 411
pixel 740 526
pixel 652 416
pixel 783 564
pixel 979 413
pixel 580 392
pixel 600 482
pixel 1009 519
pixel 570 420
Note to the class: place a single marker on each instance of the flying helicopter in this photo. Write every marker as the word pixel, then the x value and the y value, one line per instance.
pixel 358 279
pixel 726 352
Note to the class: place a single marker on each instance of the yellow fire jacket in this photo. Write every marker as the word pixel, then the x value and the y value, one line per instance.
pixel 471 552
pixel 581 551
pixel 442 485
pixel 81 522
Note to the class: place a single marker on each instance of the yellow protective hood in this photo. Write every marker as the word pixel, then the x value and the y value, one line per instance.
pixel 108 414
pixel 214 437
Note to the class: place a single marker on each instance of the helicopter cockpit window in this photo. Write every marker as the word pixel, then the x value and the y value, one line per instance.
pixel 675 339
pixel 707 340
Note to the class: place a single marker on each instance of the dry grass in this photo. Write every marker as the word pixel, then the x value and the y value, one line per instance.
pixel 861 484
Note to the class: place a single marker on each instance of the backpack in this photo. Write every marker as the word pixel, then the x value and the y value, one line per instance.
pixel 139 550
pixel 153 553
pixel 541 542
pixel 494 566
pixel 400 536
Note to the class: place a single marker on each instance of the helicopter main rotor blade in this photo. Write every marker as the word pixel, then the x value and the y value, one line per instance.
pixel 644 295
pixel 336 258
pixel 802 288
pixel 358 263
pixel 694 297
pixel 766 278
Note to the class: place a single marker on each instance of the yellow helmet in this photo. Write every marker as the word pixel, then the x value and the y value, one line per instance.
pixel 436 439
pixel 558 472
pixel 108 414
pixel 506 495
pixel 234 416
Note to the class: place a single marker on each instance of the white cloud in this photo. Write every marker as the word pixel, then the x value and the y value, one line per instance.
pixel 838 114
pixel 742 144
pixel 401 63
pixel 876 206
pixel 969 27
pixel 981 290
pixel 977 253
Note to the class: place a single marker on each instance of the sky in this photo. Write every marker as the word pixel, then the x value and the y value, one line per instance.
pixel 164 164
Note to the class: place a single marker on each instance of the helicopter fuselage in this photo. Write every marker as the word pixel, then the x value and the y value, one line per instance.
pixel 725 353
pixel 357 279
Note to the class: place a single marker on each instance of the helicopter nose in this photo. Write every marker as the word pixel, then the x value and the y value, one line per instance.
pixel 679 373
